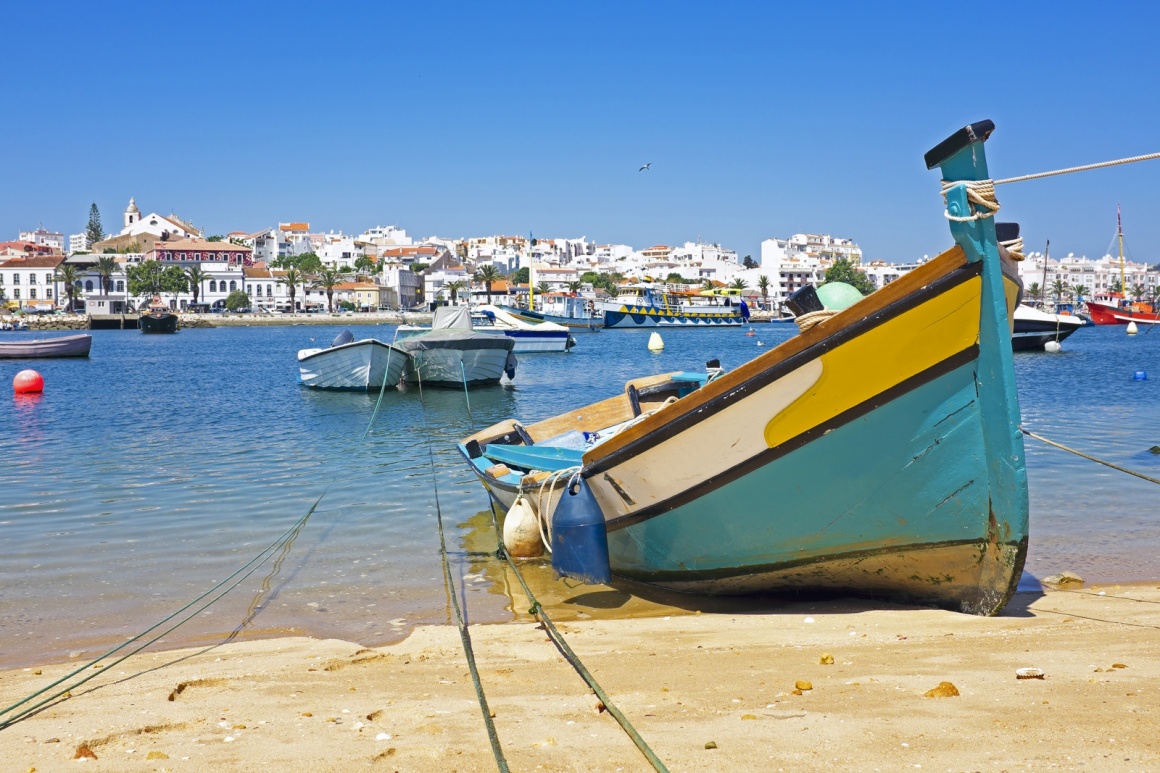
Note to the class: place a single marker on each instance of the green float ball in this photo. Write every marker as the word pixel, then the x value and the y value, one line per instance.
pixel 836 296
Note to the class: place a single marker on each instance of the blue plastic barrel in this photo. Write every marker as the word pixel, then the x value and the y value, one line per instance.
pixel 579 539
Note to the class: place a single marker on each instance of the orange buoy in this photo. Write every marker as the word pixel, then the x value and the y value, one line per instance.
pixel 27 382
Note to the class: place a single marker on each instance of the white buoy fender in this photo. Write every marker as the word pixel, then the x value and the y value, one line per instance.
pixel 1132 329
pixel 1052 346
pixel 655 343
pixel 521 533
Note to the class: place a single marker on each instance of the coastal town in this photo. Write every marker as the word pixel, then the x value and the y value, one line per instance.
pixel 290 268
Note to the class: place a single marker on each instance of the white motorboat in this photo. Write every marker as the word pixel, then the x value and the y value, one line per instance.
pixel 1034 328
pixel 527 336
pixel 349 364
pixel 452 354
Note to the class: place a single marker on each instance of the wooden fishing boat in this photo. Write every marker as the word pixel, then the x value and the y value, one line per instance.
pixel 45 348
pixel 878 452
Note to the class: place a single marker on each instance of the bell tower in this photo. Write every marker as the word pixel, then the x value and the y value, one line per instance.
pixel 132 214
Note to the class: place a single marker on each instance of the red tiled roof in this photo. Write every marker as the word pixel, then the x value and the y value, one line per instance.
pixel 35 261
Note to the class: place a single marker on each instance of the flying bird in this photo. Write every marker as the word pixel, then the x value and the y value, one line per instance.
pixel 645 168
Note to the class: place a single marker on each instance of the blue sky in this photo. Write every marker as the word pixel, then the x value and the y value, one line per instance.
pixel 464 119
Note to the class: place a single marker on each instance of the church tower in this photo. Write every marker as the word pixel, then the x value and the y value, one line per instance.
pixel 132 214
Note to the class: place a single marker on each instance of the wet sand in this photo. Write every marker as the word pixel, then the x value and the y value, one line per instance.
pixel 685 681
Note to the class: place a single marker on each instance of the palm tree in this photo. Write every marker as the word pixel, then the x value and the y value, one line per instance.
pixel 707 284
pixel 196 276
pixel 543 288
pixel 327 278
pixel 763 285
pixel 70 275
pixel 105 268
pixel 488 274
pixel 574 287
pixel 453 289
pixel 1033 291
pixel 738 284
pixel 1059 288
pixel 292 279
pixel 1080 291
pixel 1138 292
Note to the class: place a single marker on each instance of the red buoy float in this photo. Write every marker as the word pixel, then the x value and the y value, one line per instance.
pixel 27 382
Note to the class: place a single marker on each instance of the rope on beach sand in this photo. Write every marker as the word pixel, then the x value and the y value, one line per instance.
pixel 574 660
pixel 1061 446
pixel 464 634
pixel 280 547
pixel 192 608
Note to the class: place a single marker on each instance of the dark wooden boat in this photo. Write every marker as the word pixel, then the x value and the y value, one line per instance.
pixel 157 319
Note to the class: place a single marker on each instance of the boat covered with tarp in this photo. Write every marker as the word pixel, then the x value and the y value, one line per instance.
pixel 451 354
pixel 876 453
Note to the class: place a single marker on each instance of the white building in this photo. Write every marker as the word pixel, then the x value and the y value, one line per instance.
pixel 408 285
pixel 30 282
pixel 1099 275
pixel 44 237
pixel 821 246
pixel 169 226
pixel 79 243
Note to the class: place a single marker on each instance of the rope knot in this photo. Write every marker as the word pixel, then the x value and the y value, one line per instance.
pixel 1014 248
pixel 808 320
pixel 981 193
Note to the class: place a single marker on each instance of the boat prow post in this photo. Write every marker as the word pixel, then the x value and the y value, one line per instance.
pixel 970 209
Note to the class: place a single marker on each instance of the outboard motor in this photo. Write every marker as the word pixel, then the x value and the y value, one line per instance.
pixel 579 537
pixel 345 337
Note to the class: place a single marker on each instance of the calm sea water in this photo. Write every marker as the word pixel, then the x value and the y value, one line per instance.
pixel 157 467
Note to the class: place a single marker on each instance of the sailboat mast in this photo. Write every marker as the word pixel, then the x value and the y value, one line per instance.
pixel 1120 236
pixel 1046 257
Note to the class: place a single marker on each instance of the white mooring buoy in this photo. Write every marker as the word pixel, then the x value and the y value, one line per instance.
pixel 1052 346
pixel 655 343
pixel 521 533
pixel 1132 329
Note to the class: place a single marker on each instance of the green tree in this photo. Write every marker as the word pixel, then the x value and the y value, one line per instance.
pixel 215 238
pixel 763 286
pixel 453 289
pixel 326 280
pixel 1115 286
pixel 842 270
pixel 195 275
pixel 364 264
pixel 175 281
pixel 1034 291
pixel 706 284
pixel 237 300
pixel 346 306
pixel 145 278
pixel 1138 292
pixel 522 276
pixel 94 230
pixel 105 268
pixel 307 262
pixel 419 268
pixel 590 277
pixel 543 288
pixel 749 262
pixel 675 278
pixel 292 279
pixel 574 287
pixel 738 284
pixel 1059 288
pixel 70 275
pixel 1080 291
pixel 488 274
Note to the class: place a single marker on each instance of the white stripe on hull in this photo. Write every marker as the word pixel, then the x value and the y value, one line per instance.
pixel 358 365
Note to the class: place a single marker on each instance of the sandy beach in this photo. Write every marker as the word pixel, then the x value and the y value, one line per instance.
pixel 686 680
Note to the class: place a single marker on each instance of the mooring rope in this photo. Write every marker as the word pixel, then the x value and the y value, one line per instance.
pixel 281 546
pixel 464 634
pixel 1084 168
pixel 537 610
pixel 1061 446
pixel 809 319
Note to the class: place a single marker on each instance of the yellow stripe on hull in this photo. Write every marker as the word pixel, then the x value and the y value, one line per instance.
pixel 882 358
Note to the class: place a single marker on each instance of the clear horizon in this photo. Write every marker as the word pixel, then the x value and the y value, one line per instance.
pixel 460 120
